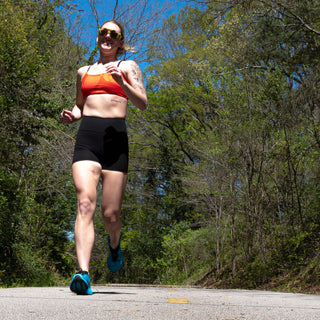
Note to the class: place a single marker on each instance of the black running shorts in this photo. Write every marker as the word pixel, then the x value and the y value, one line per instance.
pixel 104 140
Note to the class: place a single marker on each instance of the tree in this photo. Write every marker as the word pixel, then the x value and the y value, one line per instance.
pixel 228 103
pixel 36 58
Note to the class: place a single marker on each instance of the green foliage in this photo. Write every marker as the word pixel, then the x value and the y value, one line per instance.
pixel 223 188
pixel 232 125
pixel 187 254
pixel 37 196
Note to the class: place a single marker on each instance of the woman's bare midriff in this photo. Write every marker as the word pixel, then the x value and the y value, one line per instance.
pixel 105 106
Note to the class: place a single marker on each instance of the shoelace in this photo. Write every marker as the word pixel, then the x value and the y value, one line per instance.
pixel 114 253
pixel 82 272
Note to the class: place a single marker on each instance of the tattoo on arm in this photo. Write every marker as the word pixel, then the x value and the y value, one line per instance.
pixel 137 77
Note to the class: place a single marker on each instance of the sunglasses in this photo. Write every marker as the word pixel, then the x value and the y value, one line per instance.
pixel 113 34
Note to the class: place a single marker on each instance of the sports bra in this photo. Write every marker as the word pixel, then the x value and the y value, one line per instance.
pixel 100 84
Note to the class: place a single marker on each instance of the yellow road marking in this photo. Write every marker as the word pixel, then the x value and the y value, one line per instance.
pixel 174 300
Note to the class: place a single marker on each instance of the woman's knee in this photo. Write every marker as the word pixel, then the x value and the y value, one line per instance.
pixel 86 207
pixel 110 215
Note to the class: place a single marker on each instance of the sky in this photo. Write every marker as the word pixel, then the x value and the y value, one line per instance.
pixel 81 11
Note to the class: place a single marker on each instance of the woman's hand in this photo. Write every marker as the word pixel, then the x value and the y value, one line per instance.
pixel 67 117
pixel 116 73
pixel 134 88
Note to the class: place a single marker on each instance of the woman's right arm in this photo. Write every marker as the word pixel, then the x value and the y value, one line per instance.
pixel 67 116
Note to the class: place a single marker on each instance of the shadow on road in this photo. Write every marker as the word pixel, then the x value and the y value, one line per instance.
pixel 112 292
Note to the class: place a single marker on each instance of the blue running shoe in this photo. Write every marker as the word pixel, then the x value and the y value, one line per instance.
pixel 115 258
pixel 80 283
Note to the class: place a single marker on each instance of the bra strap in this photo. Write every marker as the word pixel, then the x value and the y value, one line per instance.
pixel 119 63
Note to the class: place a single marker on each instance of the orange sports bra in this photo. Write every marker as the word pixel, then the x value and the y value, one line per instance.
pixel 100 84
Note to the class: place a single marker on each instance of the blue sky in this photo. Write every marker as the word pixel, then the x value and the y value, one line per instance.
pixel 81 11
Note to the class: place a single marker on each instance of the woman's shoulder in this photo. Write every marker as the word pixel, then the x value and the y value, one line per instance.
pixel 82 70
pixel 129 65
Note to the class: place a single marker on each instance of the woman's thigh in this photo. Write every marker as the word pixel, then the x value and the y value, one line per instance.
pixel 113 188
pixel 86 176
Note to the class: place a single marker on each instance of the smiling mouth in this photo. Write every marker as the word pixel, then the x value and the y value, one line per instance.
pixel 107 43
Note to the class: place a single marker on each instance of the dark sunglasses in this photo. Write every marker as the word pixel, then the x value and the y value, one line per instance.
pixel 113 34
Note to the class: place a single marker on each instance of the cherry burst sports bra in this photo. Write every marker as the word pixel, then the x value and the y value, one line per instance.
pixel 100 84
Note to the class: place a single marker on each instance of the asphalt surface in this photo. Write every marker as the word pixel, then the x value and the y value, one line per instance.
pixel 154 303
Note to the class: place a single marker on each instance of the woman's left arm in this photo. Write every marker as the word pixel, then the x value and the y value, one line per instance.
pixel 134 88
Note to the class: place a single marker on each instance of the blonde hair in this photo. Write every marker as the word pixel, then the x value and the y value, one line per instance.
pixel 125 47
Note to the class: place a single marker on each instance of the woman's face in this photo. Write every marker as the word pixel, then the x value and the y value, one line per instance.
pixel 110 38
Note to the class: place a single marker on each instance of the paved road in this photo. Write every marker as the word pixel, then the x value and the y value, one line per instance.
pixel 139 302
